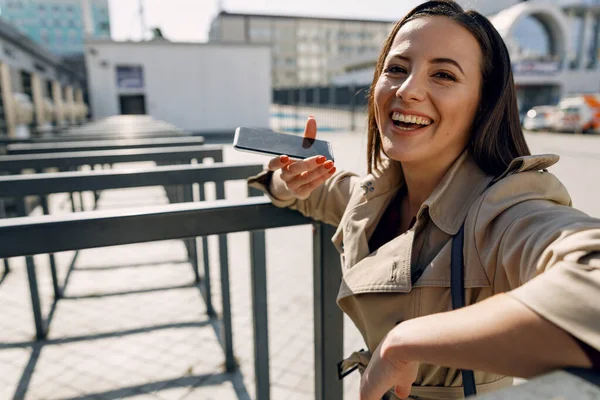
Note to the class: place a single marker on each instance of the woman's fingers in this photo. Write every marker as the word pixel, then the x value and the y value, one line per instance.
pixel 296 168
pixel 304 185
pixel 278 162
pixel 304 191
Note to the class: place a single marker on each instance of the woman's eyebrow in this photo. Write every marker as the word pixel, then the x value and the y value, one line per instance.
pixel 447 61
pixel 437 60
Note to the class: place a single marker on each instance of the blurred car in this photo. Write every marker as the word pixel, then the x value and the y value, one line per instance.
pixel 539 118
pixel 578 114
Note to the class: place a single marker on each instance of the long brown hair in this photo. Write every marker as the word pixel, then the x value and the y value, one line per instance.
pixel 496 134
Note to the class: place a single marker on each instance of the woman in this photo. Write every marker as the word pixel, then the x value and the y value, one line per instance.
pixel 446 157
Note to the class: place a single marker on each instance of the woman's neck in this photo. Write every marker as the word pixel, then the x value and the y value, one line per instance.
pixel 421 180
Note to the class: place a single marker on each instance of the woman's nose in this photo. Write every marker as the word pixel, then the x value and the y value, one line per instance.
pixel 412 89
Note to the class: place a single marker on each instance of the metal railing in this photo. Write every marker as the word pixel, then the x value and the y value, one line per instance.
pixel 66 160
pixel 178 180
pixel 97 145
pixel 48 234
pixel 104 135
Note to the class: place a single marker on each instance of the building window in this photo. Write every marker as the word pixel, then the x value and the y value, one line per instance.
pixel 71 24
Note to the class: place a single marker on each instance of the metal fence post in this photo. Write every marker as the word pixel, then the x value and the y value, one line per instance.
pixel 230 363
pixel 329 322
pixel 258 268
pixel 35 299
pixel 96 192
pixel 188 197
pixel 352 107
pixel 55 285
pixel 3 215
pixel 205 259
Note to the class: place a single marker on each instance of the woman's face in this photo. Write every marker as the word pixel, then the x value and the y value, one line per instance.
pixel 428 92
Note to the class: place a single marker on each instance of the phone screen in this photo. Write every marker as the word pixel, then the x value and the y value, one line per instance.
pixel 275 143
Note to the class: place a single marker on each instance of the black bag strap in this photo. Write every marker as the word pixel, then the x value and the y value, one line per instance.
pixel 457 289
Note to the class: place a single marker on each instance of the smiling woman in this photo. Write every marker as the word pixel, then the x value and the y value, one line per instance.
pixel 454 211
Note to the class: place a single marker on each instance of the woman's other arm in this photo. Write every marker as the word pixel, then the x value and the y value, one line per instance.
pixel 499 335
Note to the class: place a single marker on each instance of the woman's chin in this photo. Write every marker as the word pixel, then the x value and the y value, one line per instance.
pixel 402 155
pixel 401 152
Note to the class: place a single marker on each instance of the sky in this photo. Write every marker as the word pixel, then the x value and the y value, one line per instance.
pixel 189 20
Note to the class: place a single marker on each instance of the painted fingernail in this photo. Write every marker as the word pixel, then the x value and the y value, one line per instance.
pixel 332 170
pixel 328 164
pixel 321 160
pixel 284 159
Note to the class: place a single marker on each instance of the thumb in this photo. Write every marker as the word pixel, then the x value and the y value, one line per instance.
pixel 402 392
pixel 310 132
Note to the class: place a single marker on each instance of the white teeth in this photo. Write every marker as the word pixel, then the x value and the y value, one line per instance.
pixel 411 119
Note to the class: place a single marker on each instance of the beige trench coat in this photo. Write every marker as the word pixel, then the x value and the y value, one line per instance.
pixel 521 226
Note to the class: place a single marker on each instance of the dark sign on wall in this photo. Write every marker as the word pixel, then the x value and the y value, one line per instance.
pixel 130 77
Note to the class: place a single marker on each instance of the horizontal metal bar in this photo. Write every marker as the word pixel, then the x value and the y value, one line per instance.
pixel 82 181
pixel 16 163
pixel 100 135
pixel 54 233
pixel 92 145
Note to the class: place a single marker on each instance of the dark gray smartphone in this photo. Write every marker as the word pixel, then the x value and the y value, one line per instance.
pixel 273 143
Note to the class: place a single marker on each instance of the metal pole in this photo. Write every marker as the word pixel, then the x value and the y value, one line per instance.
pixel 3 215
pixel 96 192
pixel 205 259
pixel 329 322
pixel 55 285
pixel 35 299
pixel 352 107
pixel 188 196
pixel 72 202
pixel 258 268
pixel 81 204
pixel 230 363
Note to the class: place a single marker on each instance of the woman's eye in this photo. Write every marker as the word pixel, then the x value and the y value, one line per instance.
pixel 445 75
pixel 395 69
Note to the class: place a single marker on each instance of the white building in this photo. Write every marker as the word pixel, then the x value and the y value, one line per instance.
pixel 304 49
pixel 554 47
pixel 194 86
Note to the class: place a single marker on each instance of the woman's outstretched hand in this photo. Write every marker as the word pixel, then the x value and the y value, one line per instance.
pixel 297 179
pixel 386 371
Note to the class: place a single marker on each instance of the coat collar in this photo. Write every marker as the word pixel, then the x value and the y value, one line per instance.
pixel 449 203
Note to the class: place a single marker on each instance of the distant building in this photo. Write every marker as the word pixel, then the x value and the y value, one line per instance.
pixel 58 25
pixel 304 50
pixel 554 48
pixel 38 90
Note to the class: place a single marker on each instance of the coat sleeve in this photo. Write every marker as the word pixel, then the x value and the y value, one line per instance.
pixel 327 203
pixel 542 251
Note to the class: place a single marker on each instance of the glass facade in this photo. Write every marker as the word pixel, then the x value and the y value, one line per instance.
pixel 56 24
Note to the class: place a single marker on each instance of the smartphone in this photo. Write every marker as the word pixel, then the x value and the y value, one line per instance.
pixel 273 143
